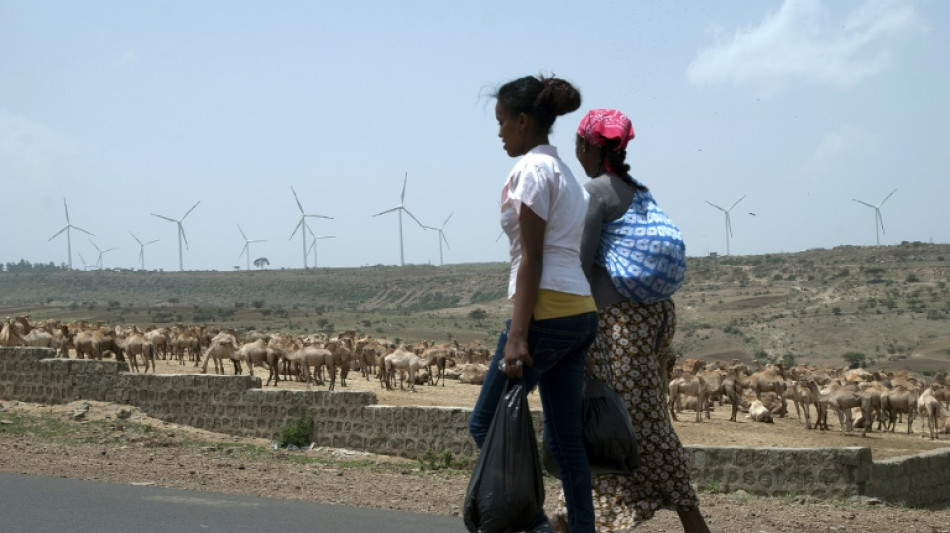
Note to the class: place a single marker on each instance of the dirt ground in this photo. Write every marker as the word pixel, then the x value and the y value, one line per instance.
pixel 110 446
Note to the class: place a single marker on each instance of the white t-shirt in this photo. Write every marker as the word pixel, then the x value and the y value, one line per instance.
pixel 541 181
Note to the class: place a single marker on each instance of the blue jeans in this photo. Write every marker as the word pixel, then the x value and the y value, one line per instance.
pixel 558 348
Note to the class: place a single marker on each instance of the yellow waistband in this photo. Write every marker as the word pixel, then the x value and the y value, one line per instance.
pixel 556 304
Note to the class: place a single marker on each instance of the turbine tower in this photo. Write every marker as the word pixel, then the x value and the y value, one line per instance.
pixel 69 241
pixel 441 236
pixel 878 220
pixel 142 249
pixel 85 266
pixel 728 220
pixel 313 245
pixel 181 232
pixel 402 208
pixel 101 252
pixel 302 226
pixel 247 246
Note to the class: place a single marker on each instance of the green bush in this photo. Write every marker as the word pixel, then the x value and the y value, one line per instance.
pixel 297 432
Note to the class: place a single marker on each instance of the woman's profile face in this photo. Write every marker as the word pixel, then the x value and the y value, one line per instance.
pixel 588 156
pixel 510 131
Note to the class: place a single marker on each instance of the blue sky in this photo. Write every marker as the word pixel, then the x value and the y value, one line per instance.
pixel 131 108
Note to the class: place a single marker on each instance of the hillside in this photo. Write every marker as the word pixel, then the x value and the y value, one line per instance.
pixel 888 306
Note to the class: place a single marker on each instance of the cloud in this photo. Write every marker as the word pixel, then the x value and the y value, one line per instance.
pixel 801 42
pixel 846 142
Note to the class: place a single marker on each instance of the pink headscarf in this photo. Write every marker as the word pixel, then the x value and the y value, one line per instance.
pixel 600 125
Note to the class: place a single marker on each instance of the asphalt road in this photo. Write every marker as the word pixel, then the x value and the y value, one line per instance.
pixel 32 504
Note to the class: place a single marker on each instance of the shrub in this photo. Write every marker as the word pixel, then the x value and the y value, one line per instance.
pixel 297 432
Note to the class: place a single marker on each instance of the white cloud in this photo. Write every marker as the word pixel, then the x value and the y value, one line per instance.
pixel 801 42
pixel 846 142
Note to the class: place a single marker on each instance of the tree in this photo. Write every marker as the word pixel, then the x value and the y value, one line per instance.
pixel 261 262
pixel 855 359
pixel 478 315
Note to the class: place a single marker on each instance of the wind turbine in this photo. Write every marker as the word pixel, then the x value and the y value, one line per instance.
pixel 441 236
pixel 313 245
pixel 728 220
pixel 878 220
pixel 84 265
pixel 142 249
pixel 69 241
pixel 101 252
pixel 181 231
pixel 302 226
pixel 401 208
pixel 247 246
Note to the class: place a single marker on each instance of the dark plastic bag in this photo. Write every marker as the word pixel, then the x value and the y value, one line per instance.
pixel 609 436
pixel 506 492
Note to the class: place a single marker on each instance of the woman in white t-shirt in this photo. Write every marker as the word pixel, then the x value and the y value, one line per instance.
pixel 554 319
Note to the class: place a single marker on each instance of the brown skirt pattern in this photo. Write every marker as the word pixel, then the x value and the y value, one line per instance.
pixel 635 339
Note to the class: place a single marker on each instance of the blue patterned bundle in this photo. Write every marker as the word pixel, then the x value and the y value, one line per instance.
pixel 643 251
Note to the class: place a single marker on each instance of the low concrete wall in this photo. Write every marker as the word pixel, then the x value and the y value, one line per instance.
pixel 237 405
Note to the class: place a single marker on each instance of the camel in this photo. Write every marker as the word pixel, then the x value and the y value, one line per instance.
pixel 405 362
pixel 9 335
pixel 437 357
pixel 311 356
pixel 340 355
pixel 759 413
pixel 769 380
pixel 731 386
pixel 187 341
pixel 159 339
pixel 805 392
pixel 842 397
pixel 135 345
pixel 259 353
pixel 896 401
pixel 473 373
pixel 222 347
pixel 690 385
pixel 367 352
pixel 932 413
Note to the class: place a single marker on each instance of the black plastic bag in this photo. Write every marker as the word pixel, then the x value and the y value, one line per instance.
pixel 506 492
pixel 609 436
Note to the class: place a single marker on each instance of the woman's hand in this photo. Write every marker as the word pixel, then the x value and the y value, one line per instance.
pixel 516 356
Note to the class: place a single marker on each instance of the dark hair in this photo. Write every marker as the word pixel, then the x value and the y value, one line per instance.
pixel 618 162
pixel 543 99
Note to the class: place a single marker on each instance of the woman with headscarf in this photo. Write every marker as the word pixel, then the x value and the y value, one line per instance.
pixel 633 345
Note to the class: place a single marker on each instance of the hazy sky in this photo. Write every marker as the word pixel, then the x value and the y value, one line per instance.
pixel 131 108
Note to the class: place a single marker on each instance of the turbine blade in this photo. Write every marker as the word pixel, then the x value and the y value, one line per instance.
pixel 447 220
pixel 714 205
pixel 865 203
pixel 190 210
pixel 109 250
pixel 297 227
pixel 66 208
pixel 94 246
pixel 402 199
pixel 258 240
pixel 136 238
pixel 880 219
pixel 737 202
pixel 312 244
pixel 243 250
pixel 728 223
pixel 183 236
pixel 163 216
pixel 242 232
pixel 441 234
pixel 319 216
pixel 421 225
pixel 299 206
pixel 82 230
pixel 885 198
pixel 386 211
pixel 151 242
pixel 57 233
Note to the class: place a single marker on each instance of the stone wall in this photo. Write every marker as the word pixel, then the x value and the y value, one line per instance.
pixel 237 405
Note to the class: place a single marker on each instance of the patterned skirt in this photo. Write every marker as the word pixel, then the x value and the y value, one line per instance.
pixel 635 340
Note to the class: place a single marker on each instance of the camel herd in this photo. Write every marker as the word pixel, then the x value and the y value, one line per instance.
pixel 859 398
pixel 284 356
